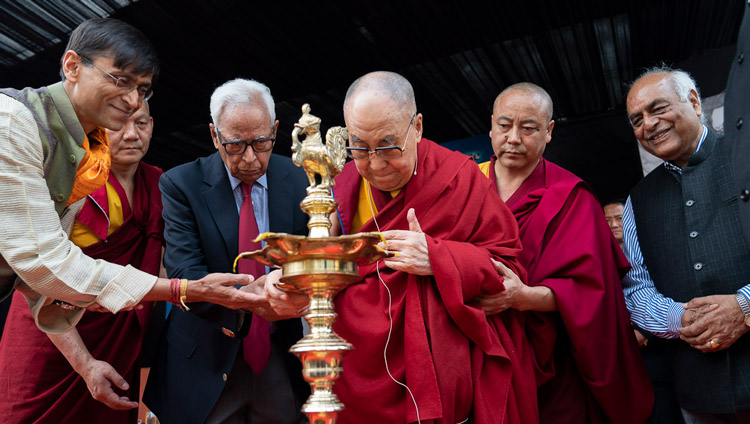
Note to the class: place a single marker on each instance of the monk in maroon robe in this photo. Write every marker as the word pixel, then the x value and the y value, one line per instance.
pixel 37 382
pixel 443 218
pixel 593 371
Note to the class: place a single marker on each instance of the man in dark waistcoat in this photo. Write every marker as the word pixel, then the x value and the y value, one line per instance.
pixel 691 263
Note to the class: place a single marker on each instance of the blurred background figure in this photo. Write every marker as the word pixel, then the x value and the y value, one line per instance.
pixel 613 213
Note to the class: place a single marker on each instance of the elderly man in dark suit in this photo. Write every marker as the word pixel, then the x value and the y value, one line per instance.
pixel 682 235
pixel 216 365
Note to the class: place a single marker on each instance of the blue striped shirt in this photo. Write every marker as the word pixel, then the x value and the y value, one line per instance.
pixel 649 309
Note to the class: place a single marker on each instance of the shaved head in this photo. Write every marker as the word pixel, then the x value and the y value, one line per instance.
pixel 383 83
pixel 521 127
pixel 531 89
pixel 380 111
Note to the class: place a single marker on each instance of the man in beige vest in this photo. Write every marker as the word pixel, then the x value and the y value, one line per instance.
pixel 54 153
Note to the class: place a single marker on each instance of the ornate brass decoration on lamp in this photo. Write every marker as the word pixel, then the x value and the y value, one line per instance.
pixel 319 265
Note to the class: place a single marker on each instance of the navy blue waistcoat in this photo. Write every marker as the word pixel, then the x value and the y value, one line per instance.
pixel 692 243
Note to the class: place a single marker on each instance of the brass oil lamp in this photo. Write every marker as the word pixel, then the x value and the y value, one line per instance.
pixel 319 265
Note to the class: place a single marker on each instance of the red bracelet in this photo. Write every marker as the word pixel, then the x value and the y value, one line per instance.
pixel 174 292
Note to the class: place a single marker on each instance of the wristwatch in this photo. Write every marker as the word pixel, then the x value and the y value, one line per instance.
pixel 744 305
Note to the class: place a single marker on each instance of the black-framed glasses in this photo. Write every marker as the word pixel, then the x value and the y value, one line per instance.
pixel 238 147
pixel 144 92
pixel 384 152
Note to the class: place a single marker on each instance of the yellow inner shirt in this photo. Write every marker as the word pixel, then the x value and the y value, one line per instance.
pixel 82 236
pixel 364 211
pixel 485 168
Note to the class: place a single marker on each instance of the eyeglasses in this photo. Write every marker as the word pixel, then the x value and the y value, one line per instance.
pixel 144 92
pixel 238 147
pixel 385 152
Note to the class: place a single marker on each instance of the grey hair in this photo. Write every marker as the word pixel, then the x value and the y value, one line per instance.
pixel 682 82
pixel 241 91
pixel 398 88
pixel 529 88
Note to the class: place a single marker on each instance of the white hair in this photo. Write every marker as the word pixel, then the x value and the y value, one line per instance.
pixel 682 83
pixel 241 91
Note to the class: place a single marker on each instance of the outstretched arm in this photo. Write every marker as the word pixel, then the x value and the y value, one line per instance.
pixel 34 243
pixel 33 240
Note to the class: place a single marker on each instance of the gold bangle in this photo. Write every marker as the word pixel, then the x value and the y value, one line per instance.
pixel 183 293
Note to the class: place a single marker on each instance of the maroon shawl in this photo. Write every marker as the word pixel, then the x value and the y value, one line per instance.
pixel 455 360
pixel 567 246
pixel 37 384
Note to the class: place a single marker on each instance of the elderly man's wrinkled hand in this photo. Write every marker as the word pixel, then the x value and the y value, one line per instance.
pixel 409 247
pixel 261 305
pixel 692 314
pixel 284 304
pixel 719 325
pixel 100 377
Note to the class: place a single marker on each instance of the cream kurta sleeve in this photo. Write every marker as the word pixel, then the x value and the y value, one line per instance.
pixel 34 244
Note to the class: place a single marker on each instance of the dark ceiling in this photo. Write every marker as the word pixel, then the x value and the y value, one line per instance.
pixel 458 55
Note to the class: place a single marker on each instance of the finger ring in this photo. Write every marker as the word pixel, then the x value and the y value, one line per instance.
pixel 714 344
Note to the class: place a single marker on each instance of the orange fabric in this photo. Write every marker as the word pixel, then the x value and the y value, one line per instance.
pixel 93 170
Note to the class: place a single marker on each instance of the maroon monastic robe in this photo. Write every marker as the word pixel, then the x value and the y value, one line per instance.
pixel 457 362
pixel 596 374
pixel 37 384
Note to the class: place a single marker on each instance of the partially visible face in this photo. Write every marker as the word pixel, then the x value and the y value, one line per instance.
pixel 98 102
pixel 520 130
pixel 245 122
pixel 130 144
pixel 665 126
pixel 613 213
pixel 376 121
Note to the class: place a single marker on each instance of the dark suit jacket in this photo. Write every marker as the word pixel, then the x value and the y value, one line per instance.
pixel 201 224
pixel 736 130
